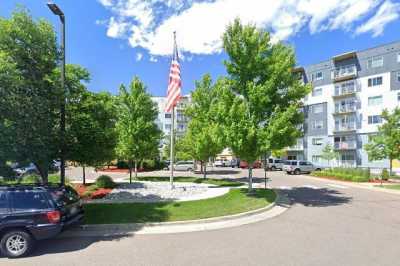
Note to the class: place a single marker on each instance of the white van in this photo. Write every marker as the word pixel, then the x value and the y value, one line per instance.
pixel 274 164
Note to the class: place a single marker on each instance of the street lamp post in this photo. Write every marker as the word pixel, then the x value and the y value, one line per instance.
pixel 58 12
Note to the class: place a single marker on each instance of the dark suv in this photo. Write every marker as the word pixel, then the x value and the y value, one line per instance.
pixel 30 213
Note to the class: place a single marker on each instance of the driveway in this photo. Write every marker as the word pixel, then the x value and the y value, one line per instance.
pixel 327 224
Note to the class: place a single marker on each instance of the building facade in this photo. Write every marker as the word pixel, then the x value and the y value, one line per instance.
pixel 349 92
pixel 164 119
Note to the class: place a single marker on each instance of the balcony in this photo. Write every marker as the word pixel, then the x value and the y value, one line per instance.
pixel 345 145
pixel 345 109
pixel 343 128
pixel 299 146
pixel 344 73
pixel 345 90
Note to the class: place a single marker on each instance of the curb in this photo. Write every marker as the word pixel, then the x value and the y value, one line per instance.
pixel 277 207
pixel 367 186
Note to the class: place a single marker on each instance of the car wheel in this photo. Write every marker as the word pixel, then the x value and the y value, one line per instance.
pixel 318 169
pixel 189 169
pixel 297 172
pixel 16 243
pixel 273 168
pixel 289 173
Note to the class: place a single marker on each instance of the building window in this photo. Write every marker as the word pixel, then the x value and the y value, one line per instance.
pixel 374 119
pixel 375 100
pixel 398 76
pixel 316 158
pixel 318 124
pixel 168 126
pixel 317 141
pixel 398 96
pixel 317 92
pixel 376 61
pixel 167 115
pixel 317 76
pixel 318 108
pixel 398 57
pixel 374 81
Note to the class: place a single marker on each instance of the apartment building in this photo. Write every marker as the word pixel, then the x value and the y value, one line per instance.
pixel 164 119
pixel 349 92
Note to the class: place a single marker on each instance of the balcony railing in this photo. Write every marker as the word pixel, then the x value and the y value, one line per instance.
pixel 345 145
pixel 345 127
pixel 348 108
pixel 343 90
pixel 344 72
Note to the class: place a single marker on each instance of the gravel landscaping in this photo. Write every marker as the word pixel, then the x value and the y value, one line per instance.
pixel 143 191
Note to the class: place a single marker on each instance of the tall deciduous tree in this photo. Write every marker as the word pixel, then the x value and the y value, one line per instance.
pixel 329 154
pixel 138 135
pixel 205 136
pixel 29 102
pixel 386 144
pixel 262 95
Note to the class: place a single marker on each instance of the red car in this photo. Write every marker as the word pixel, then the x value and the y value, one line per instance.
pixel 244 164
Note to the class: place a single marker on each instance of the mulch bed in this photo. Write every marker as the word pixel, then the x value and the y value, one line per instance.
pixel 97 194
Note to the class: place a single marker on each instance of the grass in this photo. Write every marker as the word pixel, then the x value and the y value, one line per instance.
pixel 397 187
pixel 345 174
pixel 235 201
pixel 216 182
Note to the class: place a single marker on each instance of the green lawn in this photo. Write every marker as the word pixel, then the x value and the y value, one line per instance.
pixel 235 201
pixel 397 187
pixel 216 182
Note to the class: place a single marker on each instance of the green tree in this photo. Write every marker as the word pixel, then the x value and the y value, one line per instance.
pixel 29 111
pixel 91 128
pixel 138 135
pixel 205 135
pixel 386 144
pixel 329 154
pixel 261 97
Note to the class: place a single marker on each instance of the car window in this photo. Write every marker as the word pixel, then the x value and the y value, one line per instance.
pixel 294 163
pixel 303 163
pixel 287 162
pixel 270 160
pixel 29 200
pixel 65 196
pixel 3 203
pixel 278 161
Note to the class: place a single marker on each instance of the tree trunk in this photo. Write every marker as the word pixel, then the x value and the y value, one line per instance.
pixel 250 177
pixel 130 172
pixel 84 174
pixel 44 174
pixel 201 167
pixel 205 171
pixel 135 169
pixel 390 166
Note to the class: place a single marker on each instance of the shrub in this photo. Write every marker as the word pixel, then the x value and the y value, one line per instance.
pixel 7 172
pixel 122 165
pixel 346 174
pixel 385 174
pixel 105 181
pixel 31 179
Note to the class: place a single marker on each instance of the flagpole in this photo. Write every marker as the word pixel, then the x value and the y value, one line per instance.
pixel 171 177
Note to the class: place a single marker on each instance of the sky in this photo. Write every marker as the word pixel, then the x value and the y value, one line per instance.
pixel 118 39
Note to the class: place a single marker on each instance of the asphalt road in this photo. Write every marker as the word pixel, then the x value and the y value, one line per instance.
pixel 327 224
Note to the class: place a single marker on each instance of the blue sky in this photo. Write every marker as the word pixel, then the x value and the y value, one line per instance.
pixel 117 39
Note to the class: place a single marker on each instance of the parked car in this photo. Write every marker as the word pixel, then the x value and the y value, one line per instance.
pixel 298 167
pixel 244 164
pixel 234 163
pixel 31 169
pixel 274 164
pixel 31 213
pixel 222 163
pixel 183 166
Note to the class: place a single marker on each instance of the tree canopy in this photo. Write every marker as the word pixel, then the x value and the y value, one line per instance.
pixel 261 95
pixel 138 134
pixel 386 144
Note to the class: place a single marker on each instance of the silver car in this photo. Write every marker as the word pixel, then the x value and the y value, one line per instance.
pixel 274 164
pixel 298 167
pixel 183 166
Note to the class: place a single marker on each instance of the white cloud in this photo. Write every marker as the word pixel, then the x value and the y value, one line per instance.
pixel 200 23
pixel 386 13
pixel 106 2
pixel 116 29
pixel 139 57
pixel 153 59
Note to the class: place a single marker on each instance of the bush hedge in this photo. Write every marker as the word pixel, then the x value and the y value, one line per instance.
pixel 346 174
pixel 105 181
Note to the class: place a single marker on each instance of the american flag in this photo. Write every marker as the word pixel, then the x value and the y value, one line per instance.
pixel 175 83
